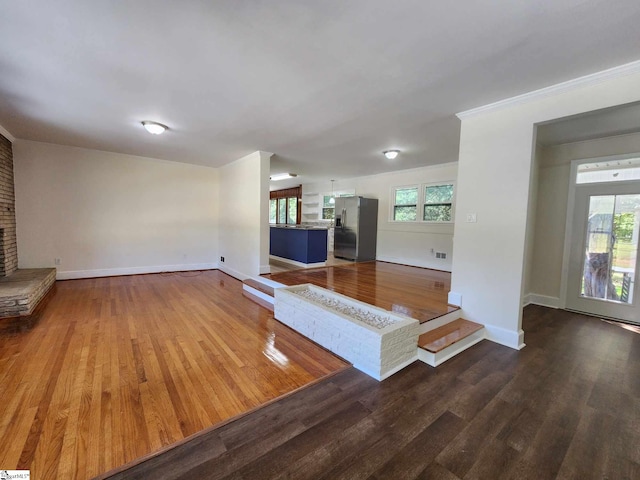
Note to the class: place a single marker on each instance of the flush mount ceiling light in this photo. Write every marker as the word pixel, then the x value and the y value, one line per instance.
pixel 154 127
pixel 391 154
pixel 282 176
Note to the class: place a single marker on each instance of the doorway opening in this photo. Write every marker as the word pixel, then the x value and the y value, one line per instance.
pixel 603 268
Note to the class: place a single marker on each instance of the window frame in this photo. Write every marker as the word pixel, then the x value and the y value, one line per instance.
pixel 422 188
pixel 452 203
pixel 394 191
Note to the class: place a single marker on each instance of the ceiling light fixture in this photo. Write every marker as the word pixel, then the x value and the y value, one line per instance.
pixel 282 176
pixel 154 127
pixel 391 154
pixel 332 200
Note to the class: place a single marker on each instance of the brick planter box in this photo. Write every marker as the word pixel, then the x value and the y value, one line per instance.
pixel 375 341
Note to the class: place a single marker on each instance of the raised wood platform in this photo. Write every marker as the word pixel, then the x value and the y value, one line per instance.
pixel 419 293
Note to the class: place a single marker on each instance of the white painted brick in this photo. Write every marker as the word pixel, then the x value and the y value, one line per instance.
pixel 375 351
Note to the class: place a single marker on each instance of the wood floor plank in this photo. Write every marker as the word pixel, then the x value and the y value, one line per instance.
pixel 490 412
pixel 440 338
pixel 419 293
pixel 117 368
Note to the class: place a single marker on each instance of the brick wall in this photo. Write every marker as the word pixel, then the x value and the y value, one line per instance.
pixel 9 250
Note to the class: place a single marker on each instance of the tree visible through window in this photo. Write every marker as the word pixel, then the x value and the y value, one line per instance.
pixel 438 201
pixel 405 205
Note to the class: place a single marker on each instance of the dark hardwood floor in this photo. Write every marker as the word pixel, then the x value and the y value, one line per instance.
pixel 566 406
pixel 419 293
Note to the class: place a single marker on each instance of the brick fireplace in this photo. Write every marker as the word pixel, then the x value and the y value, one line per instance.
pixel 20 289
pixel 8 245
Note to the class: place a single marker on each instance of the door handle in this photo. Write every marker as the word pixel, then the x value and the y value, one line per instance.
pixel 344 217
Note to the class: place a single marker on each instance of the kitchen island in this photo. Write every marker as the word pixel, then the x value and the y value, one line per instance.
pixel 302 245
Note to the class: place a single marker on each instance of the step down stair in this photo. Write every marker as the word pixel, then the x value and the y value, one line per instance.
pixel 440 344
pixel 260 290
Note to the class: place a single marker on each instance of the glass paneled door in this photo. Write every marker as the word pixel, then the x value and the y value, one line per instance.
pixel 603 267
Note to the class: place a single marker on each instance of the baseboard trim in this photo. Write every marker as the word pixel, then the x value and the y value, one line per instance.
pixel 296 263
pixel 116 272
pixel 542 300
pixel 234 273
pixel 408 262
pixel 508 338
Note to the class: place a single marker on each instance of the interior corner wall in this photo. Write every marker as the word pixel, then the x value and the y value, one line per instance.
pixel 553 194
pixel 531 224
pixel 244 215
pixel 494 170
pixel 405 243
pixel 105 214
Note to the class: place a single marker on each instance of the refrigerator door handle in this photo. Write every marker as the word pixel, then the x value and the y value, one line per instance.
pixel 344 217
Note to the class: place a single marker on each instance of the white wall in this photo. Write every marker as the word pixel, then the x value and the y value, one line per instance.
pixel 553 191
pixel 494 175
pixel 404 243
pixel 105 213
pixel 243 205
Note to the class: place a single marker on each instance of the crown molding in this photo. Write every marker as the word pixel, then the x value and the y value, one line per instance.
pixel 591 79
pixel 4 132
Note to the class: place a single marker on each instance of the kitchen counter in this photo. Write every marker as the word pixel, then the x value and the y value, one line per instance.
pixel 299 227
pixel 302 245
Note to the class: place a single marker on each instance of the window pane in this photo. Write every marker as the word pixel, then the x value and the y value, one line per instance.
pixel 273 206
pixel 293 210
pixel 404 214
pixel 406 196
pixel 328 213
pixel 437 213
pixel 438 194
pixel 282 210
pixel 326 201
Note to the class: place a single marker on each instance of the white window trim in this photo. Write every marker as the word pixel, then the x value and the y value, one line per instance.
pixel 392 204
pixel 453 202
pixel 421 203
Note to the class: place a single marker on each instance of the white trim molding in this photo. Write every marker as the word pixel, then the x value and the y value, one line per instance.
pixel 234 273
pixel 115 272
pixel 455 298
pixel 505 337
pixel 296 263
pixel 7 134
pixel 542 300
pixel 586 80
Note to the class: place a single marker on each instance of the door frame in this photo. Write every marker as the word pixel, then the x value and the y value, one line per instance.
pixel 568 229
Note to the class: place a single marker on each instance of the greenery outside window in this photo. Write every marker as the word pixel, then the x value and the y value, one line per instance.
pixel 438 203
pixel 273 208
pixel 285 206
pixel 292 210
pixel 405 204
pixel 328 208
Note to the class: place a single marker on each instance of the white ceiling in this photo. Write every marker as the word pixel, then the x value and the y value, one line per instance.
pixel 325 85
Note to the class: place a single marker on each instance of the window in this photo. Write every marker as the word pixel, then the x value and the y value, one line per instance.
pixel 433 202
pixel 292 209
pixel 438 203
pixel 405 204
pixel 285 206
pixel 273 208
pixel 328 208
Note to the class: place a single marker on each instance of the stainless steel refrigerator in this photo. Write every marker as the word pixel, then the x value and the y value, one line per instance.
pixel 356 228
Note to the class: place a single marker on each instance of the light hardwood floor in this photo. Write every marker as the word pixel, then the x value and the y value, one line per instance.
pixel 419 293
pixel 117 368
